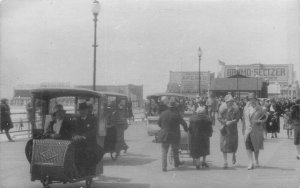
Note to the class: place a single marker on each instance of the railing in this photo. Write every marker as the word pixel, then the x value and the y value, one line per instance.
pixel 19 126
pixel 22 126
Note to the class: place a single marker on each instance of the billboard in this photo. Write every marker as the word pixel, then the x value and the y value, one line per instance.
pixel 282 73
pixel 188 82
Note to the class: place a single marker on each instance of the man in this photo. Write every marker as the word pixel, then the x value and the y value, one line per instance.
pixel 87 153
pixel 6 122
pixel 60 127
pixel 169 122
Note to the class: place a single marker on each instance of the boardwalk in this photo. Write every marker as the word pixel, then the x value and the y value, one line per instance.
pixel 141 166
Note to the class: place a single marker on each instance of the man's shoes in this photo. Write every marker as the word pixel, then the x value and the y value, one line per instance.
pixel 11 141
pixel 164 169
pixel 179 164
pixel 298 157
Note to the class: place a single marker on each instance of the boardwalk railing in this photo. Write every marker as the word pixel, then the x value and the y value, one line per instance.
pixel 22 126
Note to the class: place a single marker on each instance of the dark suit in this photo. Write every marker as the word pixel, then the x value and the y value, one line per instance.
pixel 88 153
pixel 169 122
pixel 87 128
pixel 66 131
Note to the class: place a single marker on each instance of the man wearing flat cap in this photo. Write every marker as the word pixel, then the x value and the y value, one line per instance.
pixel 169 135
pixel 60 127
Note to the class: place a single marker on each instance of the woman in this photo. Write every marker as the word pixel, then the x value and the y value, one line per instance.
pixel 200 130
pixel 286 122
pixel 295 121
pixel 253 120
pixel 228 117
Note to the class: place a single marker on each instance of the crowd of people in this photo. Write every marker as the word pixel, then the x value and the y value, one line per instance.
pixel 258 117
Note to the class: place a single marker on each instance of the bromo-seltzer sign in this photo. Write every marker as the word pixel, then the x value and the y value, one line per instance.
pixel 275 73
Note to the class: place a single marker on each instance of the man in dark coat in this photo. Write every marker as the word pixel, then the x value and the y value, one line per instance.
pixel 60 127
pixel 87 152
pixel 169 122
pixel 6 122
pixel 200 132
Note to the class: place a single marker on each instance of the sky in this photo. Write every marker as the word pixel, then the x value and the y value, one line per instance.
pixel 140 41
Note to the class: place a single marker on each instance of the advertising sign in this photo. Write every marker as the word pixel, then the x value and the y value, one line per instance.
pixel 279 73
pixel 188 82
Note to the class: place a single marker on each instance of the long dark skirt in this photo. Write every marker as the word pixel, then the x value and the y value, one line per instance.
pixel 200 146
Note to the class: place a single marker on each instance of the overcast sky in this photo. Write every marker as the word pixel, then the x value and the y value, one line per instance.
pixel 140 41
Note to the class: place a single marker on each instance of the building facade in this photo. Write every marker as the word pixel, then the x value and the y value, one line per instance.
pixel 187 83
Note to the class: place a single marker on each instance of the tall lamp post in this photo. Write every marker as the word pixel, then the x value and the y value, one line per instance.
pixel 95 11
pixel 199 55
pixel 256 85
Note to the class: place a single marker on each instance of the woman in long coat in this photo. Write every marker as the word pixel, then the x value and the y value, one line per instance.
pixel 228 117
pixel 200 131
pixel 253 119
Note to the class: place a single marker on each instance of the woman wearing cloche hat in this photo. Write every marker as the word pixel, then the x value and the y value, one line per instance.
pixel 228 117
pixel 254 116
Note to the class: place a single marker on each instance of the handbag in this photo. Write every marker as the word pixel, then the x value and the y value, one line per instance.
pixel 223 130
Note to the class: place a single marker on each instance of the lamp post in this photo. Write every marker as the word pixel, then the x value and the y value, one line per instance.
pixel 199 55
pixel 256 85
pixel 95 11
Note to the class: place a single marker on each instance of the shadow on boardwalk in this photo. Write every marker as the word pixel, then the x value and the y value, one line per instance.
pixel 129 159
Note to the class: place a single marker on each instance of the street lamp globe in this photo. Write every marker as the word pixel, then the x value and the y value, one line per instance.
pixel 95 7
pixel 200 52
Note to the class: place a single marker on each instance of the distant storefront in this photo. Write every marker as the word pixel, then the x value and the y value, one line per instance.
pixel 239 86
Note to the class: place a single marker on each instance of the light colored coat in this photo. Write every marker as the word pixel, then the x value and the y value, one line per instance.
pixel 253 125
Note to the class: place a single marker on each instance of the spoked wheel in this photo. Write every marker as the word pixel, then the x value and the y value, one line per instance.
pixel 88 182
pixel 171 157
pixel 114 155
